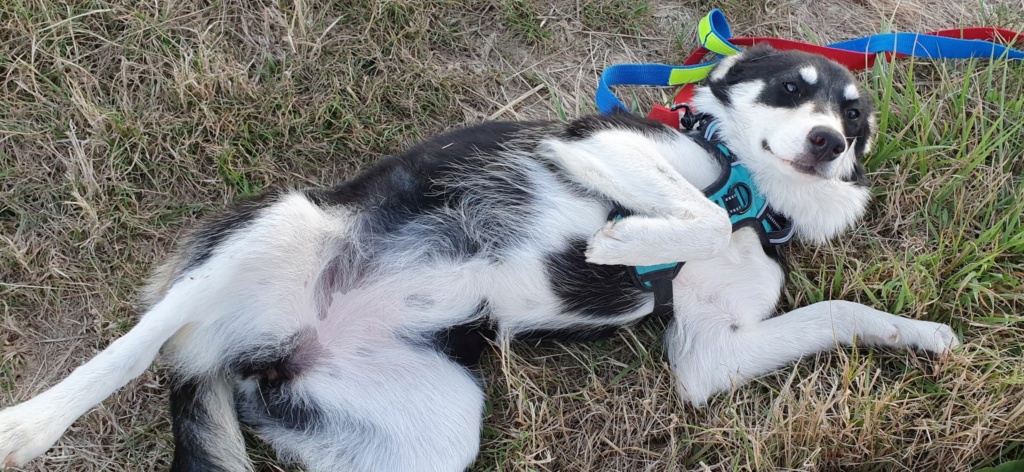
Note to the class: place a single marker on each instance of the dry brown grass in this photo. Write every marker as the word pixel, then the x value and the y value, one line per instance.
pixel 121 122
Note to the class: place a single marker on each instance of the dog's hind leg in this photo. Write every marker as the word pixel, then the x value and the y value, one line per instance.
pixel 30 428
pixel 392 407
pixel 709 357
pixel 225 298
pixel 207 437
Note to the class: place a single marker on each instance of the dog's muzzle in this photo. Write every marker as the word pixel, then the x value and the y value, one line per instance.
pixel 824 144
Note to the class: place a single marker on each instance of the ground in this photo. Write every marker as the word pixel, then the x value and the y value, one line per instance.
pixel 123 122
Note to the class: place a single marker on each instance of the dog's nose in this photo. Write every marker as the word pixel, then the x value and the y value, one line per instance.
pixel 825 144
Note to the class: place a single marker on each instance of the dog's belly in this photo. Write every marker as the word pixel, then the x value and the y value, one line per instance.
pixel 739 287
pixel 543 283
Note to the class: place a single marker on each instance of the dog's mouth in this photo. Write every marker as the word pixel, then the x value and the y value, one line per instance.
pixel 808 169
pixel 801 167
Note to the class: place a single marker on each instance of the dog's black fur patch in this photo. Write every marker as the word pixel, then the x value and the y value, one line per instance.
pixel 860 174
pixel 585 127
pixel 425 193
pixel 465 343
pixel 584 334
pixel 591 289
pixel 277 407
pixel 190 421
pixel 403 182
pixel 272 368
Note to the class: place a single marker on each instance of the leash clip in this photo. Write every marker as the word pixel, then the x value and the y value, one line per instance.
pixel 688 120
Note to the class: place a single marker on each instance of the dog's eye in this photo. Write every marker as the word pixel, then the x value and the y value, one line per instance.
pixel 790 87
pixel 852 114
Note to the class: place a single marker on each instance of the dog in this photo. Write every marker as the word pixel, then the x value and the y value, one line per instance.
pixel 341 325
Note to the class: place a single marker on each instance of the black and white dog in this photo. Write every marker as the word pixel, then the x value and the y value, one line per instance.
pixel 338 324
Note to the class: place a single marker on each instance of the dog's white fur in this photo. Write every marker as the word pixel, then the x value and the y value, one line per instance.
pixel 392 406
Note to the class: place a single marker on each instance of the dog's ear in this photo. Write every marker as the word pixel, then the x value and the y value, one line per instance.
pixel 733 66
pixel 757 51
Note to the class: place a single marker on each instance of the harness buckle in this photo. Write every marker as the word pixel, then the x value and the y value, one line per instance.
pixel 688 120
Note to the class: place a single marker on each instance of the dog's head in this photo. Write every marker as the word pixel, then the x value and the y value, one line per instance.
pixel 801 124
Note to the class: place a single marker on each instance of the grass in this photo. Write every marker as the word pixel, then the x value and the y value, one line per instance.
pixel 122 122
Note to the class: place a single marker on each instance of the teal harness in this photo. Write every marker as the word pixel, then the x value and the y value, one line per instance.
pixel 735 191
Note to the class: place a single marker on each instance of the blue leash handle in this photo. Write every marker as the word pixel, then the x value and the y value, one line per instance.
pixel 629 74
pixel 930 47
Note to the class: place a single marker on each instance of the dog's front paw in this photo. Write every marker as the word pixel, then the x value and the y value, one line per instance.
pixel 928 336
pixel 26 432
pixel 603 247
pixel 616 244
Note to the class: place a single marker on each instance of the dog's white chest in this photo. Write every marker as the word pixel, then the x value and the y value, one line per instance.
pixel 743 283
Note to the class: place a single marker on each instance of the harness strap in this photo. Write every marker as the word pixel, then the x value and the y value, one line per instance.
pixel 782 231
pixel 656 279
pixel 662 289
pixel 735 190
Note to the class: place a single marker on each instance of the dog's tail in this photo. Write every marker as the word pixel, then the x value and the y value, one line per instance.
pixel 207 435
